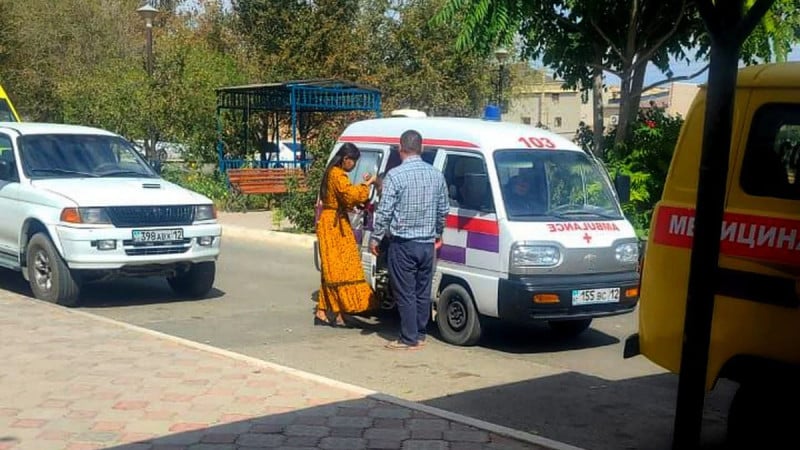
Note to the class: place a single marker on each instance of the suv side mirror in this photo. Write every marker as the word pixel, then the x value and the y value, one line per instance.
pixel 622 183
pixel 157 165
pixel 8 171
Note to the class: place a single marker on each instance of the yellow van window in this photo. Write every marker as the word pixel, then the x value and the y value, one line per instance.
pixel 5 112
pixel 772 157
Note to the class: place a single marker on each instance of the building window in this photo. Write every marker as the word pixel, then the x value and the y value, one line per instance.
pixel 557 122
pixel 772 156
pixel 555 98
pixel 526 120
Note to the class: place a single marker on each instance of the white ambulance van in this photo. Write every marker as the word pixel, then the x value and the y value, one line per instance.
pixel 535 230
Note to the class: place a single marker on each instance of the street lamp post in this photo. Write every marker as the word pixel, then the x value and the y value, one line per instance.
pixel 501 54
pixel 148 13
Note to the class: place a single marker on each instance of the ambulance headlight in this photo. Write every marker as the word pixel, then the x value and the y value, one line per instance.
pixel 627 252
pixel 528 255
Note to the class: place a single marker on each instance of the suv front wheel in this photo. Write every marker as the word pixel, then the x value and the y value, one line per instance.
pixel 195 282
pixel 49 277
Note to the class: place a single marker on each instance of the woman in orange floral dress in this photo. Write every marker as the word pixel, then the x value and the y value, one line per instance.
pixel 344 288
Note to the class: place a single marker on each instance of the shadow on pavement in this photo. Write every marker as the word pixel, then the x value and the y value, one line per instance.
pixel 13 282
pixel 352 424
pixel 542 407
pixel 503 337
pixel 591 412
pixel 121 292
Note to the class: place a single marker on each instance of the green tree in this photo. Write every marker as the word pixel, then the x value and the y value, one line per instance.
pixel 581 39
pixel 179 101
pixel 64 40
pixel 423 70
pixel 375 42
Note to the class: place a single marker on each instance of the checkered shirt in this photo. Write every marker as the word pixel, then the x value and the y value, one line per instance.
pixel 413 203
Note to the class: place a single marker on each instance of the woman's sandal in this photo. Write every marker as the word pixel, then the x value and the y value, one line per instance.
pixel 399 345
pixel 318 321
pixel 342 324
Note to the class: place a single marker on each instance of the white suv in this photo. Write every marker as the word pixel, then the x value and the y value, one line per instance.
pixel 79 204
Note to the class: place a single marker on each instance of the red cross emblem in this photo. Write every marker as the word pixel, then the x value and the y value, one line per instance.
pixel 587 238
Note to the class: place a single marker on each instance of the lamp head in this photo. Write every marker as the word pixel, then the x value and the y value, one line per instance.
pixel 147 12
pixel 501 54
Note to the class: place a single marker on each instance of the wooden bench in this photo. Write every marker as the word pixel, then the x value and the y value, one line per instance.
pixel 265 181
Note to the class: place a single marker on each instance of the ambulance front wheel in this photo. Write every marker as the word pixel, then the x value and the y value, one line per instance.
pixel 457 317
pixel 569 328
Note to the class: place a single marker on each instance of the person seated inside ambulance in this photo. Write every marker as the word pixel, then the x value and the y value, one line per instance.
pixel 468 184
pixel 476 193
pixel 521 197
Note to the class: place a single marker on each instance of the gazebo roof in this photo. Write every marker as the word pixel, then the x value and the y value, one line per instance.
pixel 314 95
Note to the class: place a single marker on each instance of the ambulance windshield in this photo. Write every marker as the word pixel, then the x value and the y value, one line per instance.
pixel 547 184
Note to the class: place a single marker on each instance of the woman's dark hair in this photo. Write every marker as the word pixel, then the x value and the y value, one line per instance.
pixel 347 150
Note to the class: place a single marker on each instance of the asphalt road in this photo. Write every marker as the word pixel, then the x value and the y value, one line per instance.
pixel 580 391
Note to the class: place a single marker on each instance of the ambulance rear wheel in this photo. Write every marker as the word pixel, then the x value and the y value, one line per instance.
pixel 569 328
pixel 457 317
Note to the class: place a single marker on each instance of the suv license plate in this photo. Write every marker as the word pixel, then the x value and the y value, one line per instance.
pixel 145 236
pixel 592 296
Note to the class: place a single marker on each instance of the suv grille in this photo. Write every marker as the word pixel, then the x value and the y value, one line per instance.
pixel 149 216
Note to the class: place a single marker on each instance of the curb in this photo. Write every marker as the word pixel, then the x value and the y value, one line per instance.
pixel 447 415
pixel 269 236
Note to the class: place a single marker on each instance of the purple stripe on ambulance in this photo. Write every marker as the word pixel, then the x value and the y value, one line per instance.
pixel 482 241
pixel 453 254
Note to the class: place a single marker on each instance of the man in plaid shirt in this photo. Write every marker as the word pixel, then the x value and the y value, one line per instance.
pixel 412 213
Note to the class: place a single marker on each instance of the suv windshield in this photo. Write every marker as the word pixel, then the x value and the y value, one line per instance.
pixel 80 155
pixel 547 184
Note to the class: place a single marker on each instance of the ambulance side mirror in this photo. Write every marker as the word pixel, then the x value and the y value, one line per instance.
pixel 622 183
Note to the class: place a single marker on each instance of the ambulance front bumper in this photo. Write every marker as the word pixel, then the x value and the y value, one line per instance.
pixel 566 297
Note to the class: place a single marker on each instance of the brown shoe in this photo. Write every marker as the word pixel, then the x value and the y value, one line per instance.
pixel 399 345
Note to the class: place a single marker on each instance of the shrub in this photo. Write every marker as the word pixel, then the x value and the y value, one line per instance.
pixel 215 187
pixel 299 206
pixel 645 157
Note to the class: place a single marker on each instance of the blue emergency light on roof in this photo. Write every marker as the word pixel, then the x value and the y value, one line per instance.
pixel 491 112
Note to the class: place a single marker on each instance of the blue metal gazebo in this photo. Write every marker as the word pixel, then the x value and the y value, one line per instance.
pixel 290 99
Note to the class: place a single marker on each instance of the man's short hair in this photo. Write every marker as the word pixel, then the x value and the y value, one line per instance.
pixel 411 142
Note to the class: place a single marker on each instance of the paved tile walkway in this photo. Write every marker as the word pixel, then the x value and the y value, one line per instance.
pixel 69 380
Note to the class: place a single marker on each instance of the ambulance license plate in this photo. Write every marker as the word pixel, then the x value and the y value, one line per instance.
pixel 593 296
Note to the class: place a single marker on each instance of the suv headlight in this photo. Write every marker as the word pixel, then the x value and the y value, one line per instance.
pixel 627 252
pixel 204 212
pixel 524 255
pixel 91 216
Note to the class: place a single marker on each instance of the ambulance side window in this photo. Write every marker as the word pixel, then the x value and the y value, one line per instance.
pixel 394 158
pixel 429 154
pixel 468 183
pixel 369 162
pixel 772 156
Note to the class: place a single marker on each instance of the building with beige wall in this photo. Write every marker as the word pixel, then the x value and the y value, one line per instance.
pixel 538 99
pixel 675 98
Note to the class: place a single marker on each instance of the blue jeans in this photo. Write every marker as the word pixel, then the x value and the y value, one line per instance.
pixel 411 273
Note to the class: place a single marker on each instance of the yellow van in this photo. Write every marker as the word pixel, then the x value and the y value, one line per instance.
pixel 755 333
pixel 7 111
